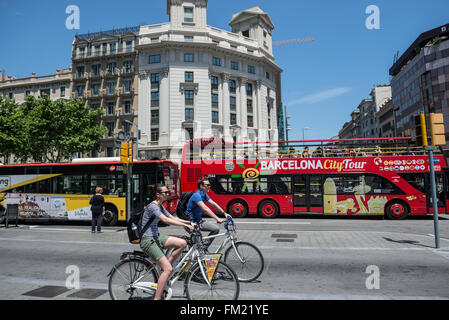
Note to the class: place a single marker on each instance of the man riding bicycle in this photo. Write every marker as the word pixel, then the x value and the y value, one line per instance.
pixel 197 205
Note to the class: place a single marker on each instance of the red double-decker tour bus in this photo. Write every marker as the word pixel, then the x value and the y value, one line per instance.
pixel 381 177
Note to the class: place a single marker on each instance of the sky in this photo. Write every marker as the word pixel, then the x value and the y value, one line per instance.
pixel 322 81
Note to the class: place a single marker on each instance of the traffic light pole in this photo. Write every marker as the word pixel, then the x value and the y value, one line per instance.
pixel 434 196
pixel 128 195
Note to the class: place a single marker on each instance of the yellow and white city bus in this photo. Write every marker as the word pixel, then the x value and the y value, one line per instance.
pixel 61 191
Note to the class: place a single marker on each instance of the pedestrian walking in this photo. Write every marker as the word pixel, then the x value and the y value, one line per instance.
pixel 97 209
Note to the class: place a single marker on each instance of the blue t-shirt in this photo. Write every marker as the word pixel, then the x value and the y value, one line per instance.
pixel 193 209
pixel 153 209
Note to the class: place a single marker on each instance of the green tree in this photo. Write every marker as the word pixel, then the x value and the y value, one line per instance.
pixel 51 131
pixel 9 127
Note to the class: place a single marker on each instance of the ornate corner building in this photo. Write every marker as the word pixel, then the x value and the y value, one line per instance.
pixel 170 82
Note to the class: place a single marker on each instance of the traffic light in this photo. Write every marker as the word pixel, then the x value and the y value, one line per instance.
pixel 130 152
pixel 436 122
pixel 124 152
pixel 420 130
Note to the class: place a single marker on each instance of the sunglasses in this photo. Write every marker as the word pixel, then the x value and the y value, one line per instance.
pixel 206 185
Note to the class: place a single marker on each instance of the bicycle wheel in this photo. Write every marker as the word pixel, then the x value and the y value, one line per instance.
pixel 251 266
pixel 128 271
pixel 224 284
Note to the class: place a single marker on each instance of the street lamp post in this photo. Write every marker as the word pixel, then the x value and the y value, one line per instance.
pixel 303 133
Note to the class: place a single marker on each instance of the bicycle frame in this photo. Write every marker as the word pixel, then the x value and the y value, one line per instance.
pixel 229 238
pixel 178 271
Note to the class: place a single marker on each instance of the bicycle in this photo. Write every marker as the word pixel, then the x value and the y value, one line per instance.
pixel 207 278
pixel 243 257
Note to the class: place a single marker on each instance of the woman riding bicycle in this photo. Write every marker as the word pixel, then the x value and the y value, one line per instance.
pixel 153 244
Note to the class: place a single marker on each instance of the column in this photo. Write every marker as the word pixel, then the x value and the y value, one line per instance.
pixel 226 116
pixel 164 109
pixel 242 110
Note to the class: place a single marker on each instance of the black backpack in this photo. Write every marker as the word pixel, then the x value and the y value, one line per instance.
pixel 135 230
pixel 181 207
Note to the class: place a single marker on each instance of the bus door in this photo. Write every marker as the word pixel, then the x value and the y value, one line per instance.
pixel 441 194
pixel 308 193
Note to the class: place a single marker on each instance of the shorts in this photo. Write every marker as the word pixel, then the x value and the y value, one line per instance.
pixel 154 246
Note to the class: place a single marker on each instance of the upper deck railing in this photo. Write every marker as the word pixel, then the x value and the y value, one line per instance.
pixel 218 149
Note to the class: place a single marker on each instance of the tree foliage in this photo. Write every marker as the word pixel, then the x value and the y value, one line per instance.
pixel 49 131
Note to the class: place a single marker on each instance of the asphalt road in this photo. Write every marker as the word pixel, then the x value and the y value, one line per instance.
pixel 307 258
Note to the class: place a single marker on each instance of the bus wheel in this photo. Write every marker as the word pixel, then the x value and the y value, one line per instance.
pixel 396 210
pixel 268 209
pixel 110 217
pixel 237 209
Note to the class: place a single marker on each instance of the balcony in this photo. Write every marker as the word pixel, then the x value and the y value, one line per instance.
pixel 111 72
pixel 125 93
pixel 127 70
pixel 81 76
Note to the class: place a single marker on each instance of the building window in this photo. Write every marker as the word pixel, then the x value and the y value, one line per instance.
pixel 28 92
pixel 79 90
pixel 129 46
pixel 62 92
pixel 234 65
pixel 155 80
pixel 95 89
pixel 251 69
pixel 112 48
pixel 232 86
pixel 249 106
pixel 233 119
pixel 154 135
pixel 214 82
pixel 188 57
pixel 249 89
pixel 215 117
pixel 190 114
pixel 216 61
pixel 110 67
pixel 155 99
pixel 96 69
pixel 47 92
pixel 250 121
pixel 110 87
pixel 188 76
pixel 128 66
pixel 232 102
pixel 189 96
pixel 188 14
pixel 155 59
pixel 110 126
pixel 188 38
pixel 214 100
pixel 95 106
pixel 155 117
pixel 127 86
pixel 110 108
pixel 267 75
pixel 80 71
pixel 11 96
pixel 127 106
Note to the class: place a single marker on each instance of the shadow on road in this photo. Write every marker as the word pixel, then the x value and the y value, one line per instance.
pixel 412 242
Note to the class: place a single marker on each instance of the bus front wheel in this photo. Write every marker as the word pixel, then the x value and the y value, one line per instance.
pixel 110 217
pixel 396 210
pixel 237 209
pixel 268 209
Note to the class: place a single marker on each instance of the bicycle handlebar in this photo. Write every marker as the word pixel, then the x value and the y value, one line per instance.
pixel 229 222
